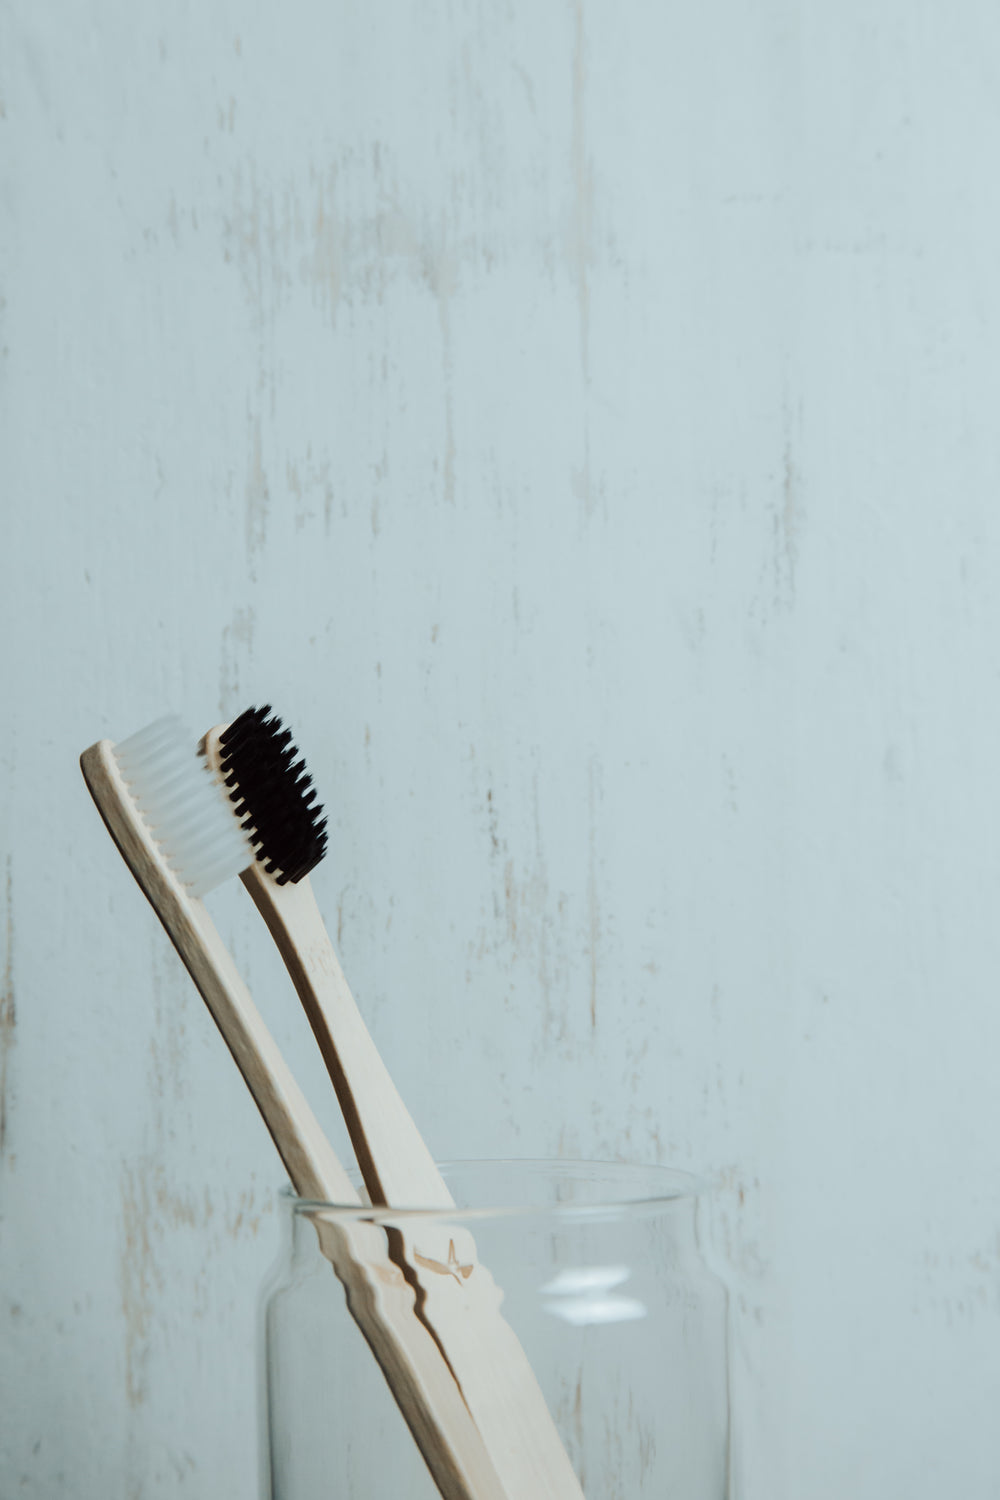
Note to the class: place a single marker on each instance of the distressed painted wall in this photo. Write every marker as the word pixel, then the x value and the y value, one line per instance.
pixel 581 421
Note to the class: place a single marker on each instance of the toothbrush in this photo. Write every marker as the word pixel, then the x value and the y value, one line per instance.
pixel 458 1299
pixel 164 811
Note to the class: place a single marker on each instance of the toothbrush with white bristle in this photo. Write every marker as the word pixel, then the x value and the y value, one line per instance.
pixel 175 831
pixel 274 804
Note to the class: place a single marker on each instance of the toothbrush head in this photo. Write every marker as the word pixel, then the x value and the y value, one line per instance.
pixel 182 805
pixel 274 799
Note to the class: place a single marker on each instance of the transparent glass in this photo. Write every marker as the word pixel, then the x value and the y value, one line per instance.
pixel 608 1293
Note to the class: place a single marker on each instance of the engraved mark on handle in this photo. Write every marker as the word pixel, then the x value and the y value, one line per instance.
pixel 451 1268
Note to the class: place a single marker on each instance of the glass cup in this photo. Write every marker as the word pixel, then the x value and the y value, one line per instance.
pixel 603 1283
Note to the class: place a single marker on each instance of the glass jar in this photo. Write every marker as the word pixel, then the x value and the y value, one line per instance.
pixel 606 1289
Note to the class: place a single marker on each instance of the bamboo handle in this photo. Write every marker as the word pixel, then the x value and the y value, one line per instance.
pixel 460 1301
pixel 397 1166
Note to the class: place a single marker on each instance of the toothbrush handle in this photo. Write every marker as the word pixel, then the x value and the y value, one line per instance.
pixel 397 1167
pixel 460 1301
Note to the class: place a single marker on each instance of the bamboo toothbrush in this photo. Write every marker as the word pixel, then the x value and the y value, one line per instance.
pixel 176 833
pixel 458 1299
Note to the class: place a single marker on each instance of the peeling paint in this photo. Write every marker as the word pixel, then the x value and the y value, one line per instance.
pixel 589 491
pixel 237 647
pixel 788 522
pixel 581 252
pixel 256 492
pixel 381 471
pixel 139 1277
pixel 8 1008
pixel 152 1209
pixel 531 927
pixel 735 1214
pixel 326 258
pixel 242 240
pixel 593 899
pixel 440 271
pixel 307 478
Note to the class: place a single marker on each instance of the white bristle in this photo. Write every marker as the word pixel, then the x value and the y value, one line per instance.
pixel 184 807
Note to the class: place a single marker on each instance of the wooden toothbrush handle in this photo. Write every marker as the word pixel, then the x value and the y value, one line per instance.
pixel 461 1305
pixel 395 1163
pixel 460 1301
pixel 379 1298
pixel 381 1301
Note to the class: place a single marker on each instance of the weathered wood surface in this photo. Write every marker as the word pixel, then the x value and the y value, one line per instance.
pixel 583 421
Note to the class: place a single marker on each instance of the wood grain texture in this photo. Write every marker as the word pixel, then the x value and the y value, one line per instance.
pixel 379 1297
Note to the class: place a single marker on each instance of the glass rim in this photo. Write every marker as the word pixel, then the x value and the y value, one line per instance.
pixel 663 1187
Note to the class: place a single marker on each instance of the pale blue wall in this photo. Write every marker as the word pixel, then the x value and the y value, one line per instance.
pixel 582 421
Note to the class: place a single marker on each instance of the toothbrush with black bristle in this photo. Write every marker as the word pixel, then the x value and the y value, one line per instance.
pixel 174 828
pixel 275 804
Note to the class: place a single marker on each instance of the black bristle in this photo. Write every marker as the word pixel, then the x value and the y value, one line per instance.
pixel 285 822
